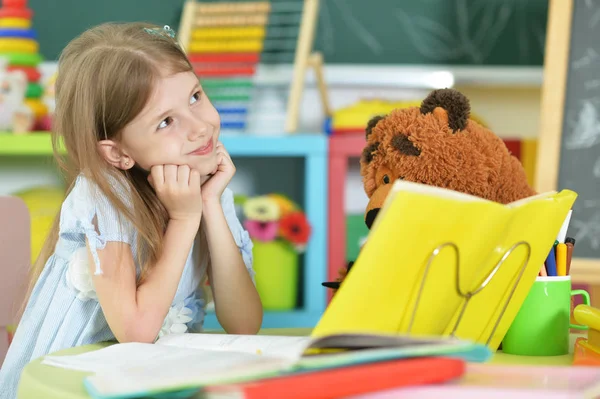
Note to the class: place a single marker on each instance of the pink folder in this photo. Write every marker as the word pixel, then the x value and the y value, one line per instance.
pixel 508 382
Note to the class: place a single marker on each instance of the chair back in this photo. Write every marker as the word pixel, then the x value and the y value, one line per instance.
pixel 15 263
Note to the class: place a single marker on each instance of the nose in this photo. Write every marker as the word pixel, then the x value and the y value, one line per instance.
pixel 370 218
pixel 197 128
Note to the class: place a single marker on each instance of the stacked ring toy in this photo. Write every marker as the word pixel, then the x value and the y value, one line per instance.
pixel 19 45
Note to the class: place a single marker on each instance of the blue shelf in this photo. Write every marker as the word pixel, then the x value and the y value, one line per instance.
pixel 245 144
pixel 314 149
pixel 283 319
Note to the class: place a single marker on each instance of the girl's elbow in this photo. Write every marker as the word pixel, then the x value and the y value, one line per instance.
pixel 136 332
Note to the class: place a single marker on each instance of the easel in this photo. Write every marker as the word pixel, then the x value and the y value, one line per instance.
pixel 257 14
pixel 554 89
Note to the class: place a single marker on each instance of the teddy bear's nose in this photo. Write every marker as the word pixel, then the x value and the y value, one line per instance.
pixel 370 218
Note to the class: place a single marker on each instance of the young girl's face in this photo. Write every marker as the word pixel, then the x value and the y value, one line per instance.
pixel 178 126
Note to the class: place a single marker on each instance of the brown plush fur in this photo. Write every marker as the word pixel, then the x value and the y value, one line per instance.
pixel 438 144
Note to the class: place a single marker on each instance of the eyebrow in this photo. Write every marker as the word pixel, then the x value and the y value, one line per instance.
pixel 164 114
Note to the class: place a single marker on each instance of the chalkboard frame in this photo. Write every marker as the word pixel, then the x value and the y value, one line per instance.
pixel 554 87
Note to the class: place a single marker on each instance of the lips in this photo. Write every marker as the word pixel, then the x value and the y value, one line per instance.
pixel 206 149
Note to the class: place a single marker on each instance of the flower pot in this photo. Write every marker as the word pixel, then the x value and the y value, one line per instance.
pixel 276 267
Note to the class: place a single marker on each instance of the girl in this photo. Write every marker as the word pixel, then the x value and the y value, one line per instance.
pixel 147 216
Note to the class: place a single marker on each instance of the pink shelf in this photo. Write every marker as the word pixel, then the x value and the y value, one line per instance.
pixel 341 148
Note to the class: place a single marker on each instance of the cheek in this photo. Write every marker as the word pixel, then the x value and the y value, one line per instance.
pixel 205 165
pixel 209 114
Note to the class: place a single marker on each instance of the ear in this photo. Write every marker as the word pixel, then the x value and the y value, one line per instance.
pixel 402 143
pixel 368 152
pixel 449 106
pixel 112 153
pixel 372 123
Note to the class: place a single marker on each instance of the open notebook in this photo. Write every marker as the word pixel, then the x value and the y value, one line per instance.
pixel 397 286
pixel 189 361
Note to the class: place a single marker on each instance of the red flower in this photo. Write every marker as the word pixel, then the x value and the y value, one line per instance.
pixel 294 227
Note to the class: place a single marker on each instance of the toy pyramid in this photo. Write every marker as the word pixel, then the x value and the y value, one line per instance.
pixel 19 45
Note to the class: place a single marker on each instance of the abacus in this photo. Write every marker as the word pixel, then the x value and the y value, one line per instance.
pixel 225 42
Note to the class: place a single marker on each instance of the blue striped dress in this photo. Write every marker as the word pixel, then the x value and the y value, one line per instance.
pixel 64 311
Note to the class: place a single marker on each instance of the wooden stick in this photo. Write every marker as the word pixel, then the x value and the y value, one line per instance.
pixel 556 62
pixel 187 22
pixel 303 50
pixel 316 61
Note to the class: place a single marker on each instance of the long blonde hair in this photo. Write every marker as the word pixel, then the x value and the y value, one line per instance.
pixel 105 78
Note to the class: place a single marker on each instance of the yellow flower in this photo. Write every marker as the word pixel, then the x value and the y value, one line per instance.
pixel 262 209
pixel 285 204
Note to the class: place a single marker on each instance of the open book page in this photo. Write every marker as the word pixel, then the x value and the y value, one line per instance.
pixel 182 368
pixel 131 356
pixel 286 347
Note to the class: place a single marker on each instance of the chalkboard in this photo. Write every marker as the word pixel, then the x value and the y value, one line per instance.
pixel 443 32
pixel 569 141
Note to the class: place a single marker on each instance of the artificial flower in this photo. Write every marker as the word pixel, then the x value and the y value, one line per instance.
pixel 78 275
pixel 262 231
pixel 176 320
pixel 285 204
pixel 294 227
pixel 262 209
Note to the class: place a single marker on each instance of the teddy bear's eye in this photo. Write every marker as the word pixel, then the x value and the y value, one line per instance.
pixel 386 179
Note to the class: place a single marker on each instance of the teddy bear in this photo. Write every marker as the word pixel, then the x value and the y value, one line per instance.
pixel 436 143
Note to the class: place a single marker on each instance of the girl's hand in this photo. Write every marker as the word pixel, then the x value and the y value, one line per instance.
pixel 178 188
pixel 213 188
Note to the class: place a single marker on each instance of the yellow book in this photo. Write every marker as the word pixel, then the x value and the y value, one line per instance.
pixel 463 291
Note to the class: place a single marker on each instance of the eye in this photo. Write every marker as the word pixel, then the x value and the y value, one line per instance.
pixel 165 122
pixel 386 179
pixel 195 97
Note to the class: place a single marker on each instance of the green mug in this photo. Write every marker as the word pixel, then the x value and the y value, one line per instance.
pixel 541 327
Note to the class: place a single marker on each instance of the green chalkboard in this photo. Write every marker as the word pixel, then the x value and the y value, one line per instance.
pixel 427 32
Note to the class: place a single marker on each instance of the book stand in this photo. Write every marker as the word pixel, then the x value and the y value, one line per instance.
pixel 467 295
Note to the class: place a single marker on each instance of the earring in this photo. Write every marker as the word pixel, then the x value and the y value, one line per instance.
pixel 126 163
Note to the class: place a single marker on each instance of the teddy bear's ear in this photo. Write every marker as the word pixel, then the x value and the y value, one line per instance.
pixel 372 122
pixel 368 152
pixel 453 102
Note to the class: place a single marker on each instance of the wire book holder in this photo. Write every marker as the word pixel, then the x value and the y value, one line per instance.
pixel 467 295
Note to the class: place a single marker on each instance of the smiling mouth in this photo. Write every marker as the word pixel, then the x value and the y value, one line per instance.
pixel 207 149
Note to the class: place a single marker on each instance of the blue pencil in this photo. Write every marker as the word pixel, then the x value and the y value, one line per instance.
pixel 551 263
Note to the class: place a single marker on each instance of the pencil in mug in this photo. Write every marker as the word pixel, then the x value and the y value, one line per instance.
pixel 561 259
pixel 570 243
pixel 551 263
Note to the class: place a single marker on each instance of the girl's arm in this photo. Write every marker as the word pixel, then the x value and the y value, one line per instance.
pixel 136 313
pixel 237 303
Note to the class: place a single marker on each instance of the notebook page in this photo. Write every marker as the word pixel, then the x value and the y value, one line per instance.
pixel 179 370
pixel 119 356
pixel 278 346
